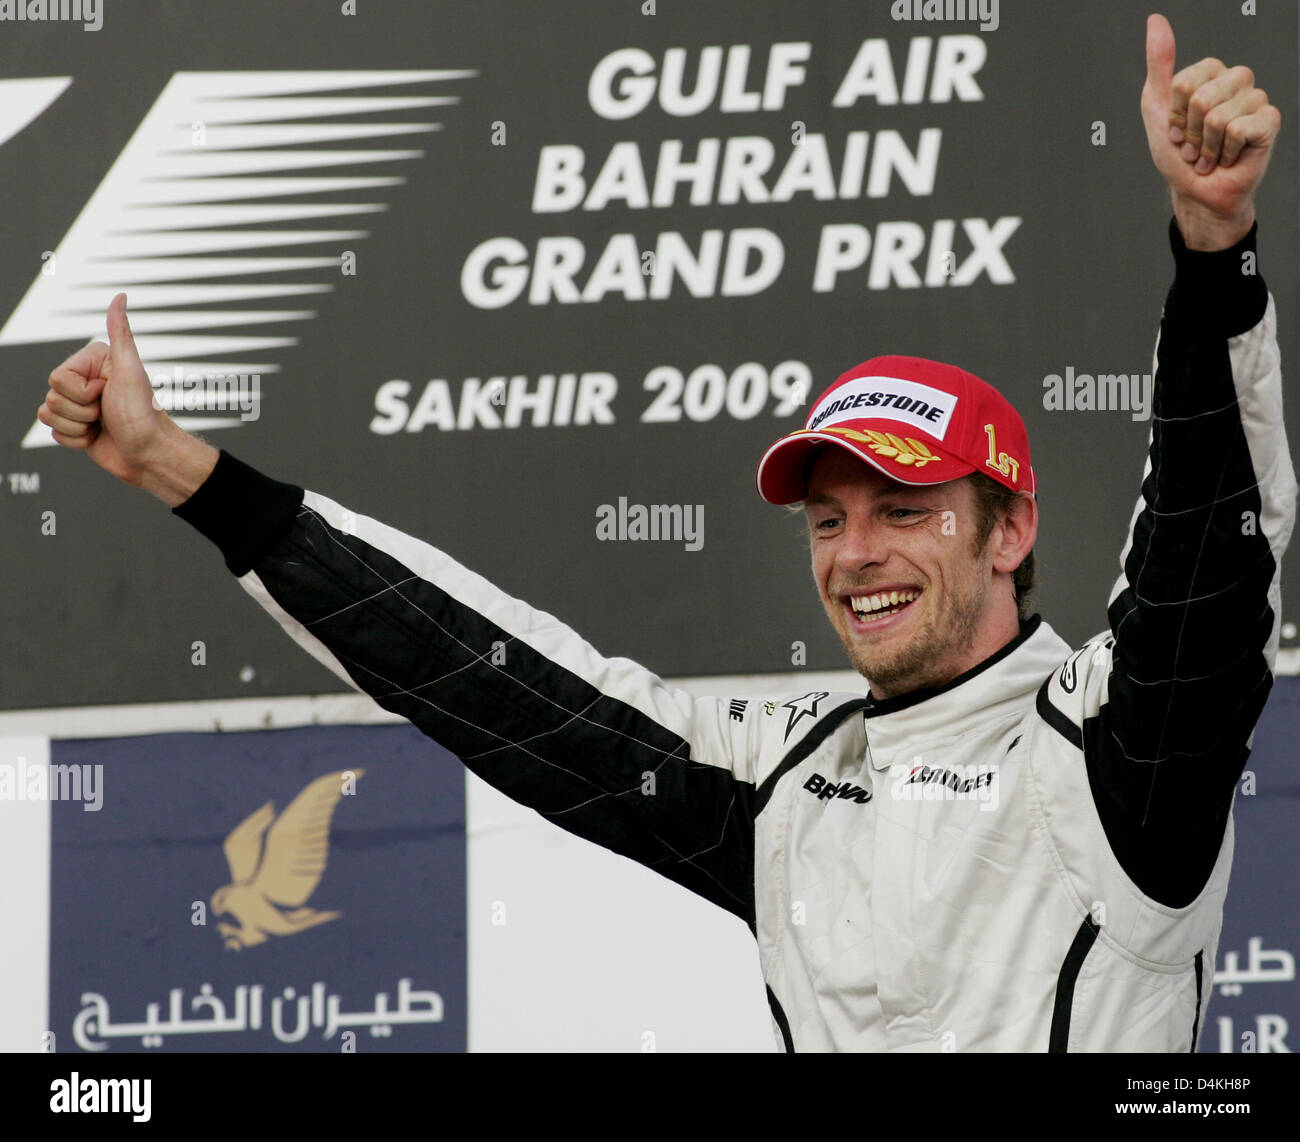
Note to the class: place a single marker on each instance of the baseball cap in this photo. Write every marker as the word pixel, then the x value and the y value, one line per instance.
pixel 917 421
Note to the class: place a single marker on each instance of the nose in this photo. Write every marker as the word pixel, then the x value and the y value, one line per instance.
pixel 864 543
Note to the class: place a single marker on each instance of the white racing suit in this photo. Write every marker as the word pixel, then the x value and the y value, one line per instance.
pixel 1032 857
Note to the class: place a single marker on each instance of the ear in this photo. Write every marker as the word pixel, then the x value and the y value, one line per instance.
pixel 1014 535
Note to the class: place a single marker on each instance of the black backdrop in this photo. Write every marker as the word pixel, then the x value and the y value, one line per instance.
pixel 107 608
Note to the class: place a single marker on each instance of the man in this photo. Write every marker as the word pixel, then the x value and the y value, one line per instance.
pixel 1006 845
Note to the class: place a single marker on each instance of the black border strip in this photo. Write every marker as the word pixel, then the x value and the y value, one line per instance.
pixel 1054 718
pixel 781 1021
pixel 1059 1038
pixel 1196 1022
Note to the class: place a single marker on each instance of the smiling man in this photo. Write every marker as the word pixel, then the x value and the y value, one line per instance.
pixel 912 608
pixel 1007 843
pixel 928 615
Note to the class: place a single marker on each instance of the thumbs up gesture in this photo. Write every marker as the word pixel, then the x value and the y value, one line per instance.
pixel 101 402
pixel 1211 133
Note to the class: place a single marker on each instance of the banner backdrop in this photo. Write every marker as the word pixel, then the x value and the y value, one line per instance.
pixel 283 890
pixel 183 914
pixel 509 276
pixel 1256 1001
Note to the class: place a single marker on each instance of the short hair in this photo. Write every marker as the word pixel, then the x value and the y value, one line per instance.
pixel 993 501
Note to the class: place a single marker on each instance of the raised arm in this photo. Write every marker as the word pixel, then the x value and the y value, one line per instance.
pixel 1195 614
pixel 600 746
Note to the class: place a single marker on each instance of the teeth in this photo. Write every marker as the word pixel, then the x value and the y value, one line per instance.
pixel 867 604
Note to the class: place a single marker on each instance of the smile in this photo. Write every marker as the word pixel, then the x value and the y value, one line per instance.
pixel 873 608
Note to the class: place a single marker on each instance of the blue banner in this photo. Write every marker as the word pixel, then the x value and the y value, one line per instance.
pixel 298 890
pixel 1256 1002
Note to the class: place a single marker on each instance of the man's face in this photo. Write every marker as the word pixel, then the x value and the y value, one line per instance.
pixel 912 548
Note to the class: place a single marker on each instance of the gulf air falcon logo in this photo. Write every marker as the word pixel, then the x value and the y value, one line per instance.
pixel 182 222
pixel 276 863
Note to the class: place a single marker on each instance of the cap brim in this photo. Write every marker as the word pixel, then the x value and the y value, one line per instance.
pixel 783 471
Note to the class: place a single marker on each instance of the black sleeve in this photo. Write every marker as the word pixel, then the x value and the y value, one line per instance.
pixel 599 746
pixel 1195 614
pixel 242 511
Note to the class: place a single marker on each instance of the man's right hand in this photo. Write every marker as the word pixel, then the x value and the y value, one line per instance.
pixel 101 402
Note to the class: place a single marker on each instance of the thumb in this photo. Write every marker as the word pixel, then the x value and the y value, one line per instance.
pixel 1160 56
pixel 122 351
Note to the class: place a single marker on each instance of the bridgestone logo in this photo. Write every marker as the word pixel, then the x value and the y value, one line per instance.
pixel 921 406
pixel 919 782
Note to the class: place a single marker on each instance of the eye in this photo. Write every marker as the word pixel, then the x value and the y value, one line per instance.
pixel 903 513
pixel 824 525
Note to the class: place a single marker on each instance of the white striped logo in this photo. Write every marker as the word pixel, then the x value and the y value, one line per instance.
pixel 178 219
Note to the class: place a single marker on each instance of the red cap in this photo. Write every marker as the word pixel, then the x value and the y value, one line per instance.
pixel 917 421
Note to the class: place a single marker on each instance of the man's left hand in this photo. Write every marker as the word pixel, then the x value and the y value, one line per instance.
pixel 1211 132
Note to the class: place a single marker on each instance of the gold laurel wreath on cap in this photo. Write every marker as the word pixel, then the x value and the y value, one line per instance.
pixel 900 449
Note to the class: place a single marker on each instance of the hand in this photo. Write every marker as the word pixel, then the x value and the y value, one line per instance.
pixel 1211 132
pixel 101 402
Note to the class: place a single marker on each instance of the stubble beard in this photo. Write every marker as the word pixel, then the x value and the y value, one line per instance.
pixel 925 659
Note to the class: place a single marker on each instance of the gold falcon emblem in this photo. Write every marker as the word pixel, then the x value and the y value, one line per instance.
pixel 276 864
